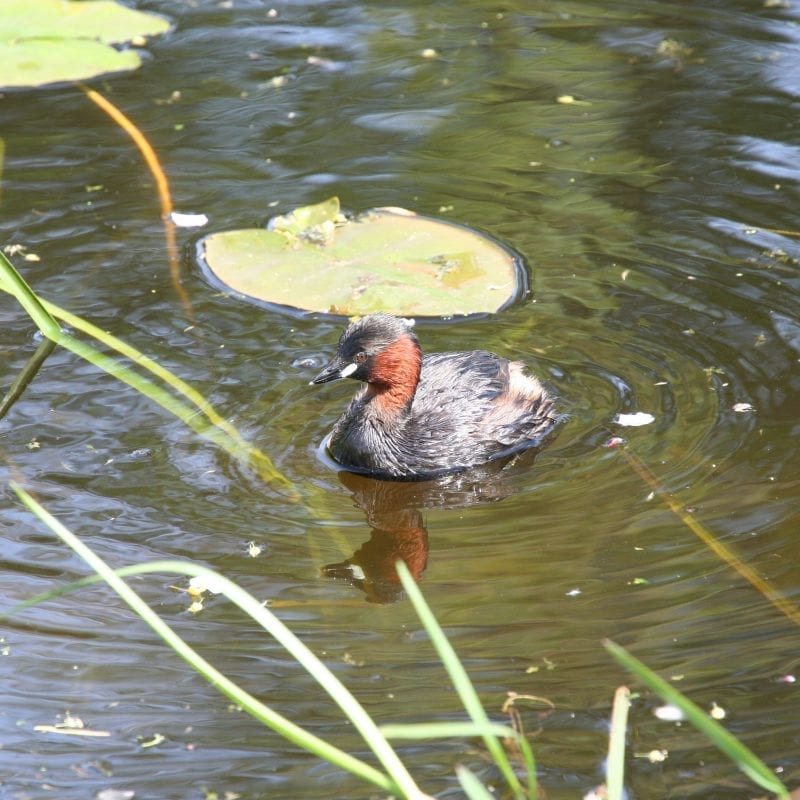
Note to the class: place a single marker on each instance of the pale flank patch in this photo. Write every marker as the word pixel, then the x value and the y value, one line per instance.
pixel 521 384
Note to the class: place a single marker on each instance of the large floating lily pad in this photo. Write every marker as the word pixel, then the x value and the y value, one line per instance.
pixel 53 41
pixel 386 259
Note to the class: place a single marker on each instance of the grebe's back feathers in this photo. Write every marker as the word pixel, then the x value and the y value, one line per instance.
pixel 417 417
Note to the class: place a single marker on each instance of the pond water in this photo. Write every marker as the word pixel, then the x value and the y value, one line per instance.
pixel 655 213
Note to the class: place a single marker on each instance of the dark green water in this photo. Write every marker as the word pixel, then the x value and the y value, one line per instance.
pixel 646 213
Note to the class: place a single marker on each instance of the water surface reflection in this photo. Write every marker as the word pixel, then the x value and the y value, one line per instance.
pixel 655 211
pixel 394 511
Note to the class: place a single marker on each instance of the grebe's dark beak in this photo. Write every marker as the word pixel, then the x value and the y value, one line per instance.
pixel 335 370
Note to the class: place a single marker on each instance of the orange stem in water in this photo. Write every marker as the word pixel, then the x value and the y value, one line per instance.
pixel 782 233
pixel 161 184
pixel 783 605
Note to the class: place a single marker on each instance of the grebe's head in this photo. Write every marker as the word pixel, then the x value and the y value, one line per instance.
pixel 378 349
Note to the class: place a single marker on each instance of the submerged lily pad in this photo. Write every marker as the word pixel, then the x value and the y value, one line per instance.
pixel 53 41
pixel 386 259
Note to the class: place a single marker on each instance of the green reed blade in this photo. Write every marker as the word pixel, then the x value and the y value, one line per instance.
pixel 28 373
pixel 461 682
pixel 473 788
pixel 215 428
pixel 258 459
pixel 744 758
pixel 13 283
pixel 418 731
pixel 397 780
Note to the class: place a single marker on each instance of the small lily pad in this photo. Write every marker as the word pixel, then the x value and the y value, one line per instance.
pixel 386 259
pixel 53 41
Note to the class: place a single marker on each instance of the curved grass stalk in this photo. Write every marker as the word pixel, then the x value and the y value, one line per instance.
pixel 397 779
pixel 397 731
pixel 182 411
pixel 745 759
pixel 254 707
pixel 786 607
pixel 258 459
pixel 162 185
pixel 28 373
pixel 210 425
pixel 465 689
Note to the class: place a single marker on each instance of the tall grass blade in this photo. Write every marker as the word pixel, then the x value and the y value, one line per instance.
pixel 28 373
pixel 615 766
pixel 745 759
pixel 397 780
pixel 257 459
pixel 719 548
pixel 461 682
pixel 184 412
pixel 213 427
pixel 12 282
pixel 447 730
pixel 418 731
pixel 473 788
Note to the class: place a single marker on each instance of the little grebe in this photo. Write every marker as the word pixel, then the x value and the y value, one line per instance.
pixel 421 416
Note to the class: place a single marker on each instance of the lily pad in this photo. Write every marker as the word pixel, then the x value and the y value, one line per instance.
pixel 386 259
pixel 53 41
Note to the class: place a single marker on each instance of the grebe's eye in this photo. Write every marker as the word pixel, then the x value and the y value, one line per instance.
pixel 360 357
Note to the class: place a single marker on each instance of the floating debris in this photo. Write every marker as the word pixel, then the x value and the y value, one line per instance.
pixel 668 713
pixel 717 712
pixel 188 220
pixel 206 583
pixel 635 420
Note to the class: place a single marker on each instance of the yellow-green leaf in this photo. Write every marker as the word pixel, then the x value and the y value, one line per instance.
pixel 53 41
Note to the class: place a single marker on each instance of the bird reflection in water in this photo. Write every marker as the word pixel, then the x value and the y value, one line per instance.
pixel 393 510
